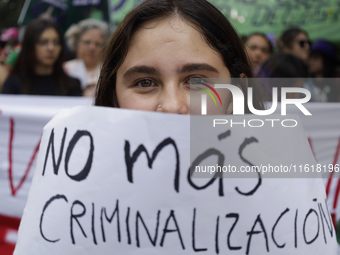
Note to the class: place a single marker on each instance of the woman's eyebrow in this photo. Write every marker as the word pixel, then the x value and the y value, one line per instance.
pixel 185 69
pixel 141 69
pixel 198 67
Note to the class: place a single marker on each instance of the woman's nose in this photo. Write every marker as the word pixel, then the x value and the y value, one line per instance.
pixel 175 100
pixel 51 46
pixel 91 46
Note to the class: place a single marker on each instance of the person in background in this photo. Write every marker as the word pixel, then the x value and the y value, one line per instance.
pixel 259 49
pixel 295 41
pixel 282 66
pixel 322 64
pixel 86 40
pixel 38 69
pixel 9 40
pixel 3 75
pixel 323 60
pixel 12 57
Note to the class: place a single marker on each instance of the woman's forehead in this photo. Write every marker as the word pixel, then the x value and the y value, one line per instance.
pixel 49 32
pixel 165 30
pixel 165 38
pixel 92 33
pixel 168 46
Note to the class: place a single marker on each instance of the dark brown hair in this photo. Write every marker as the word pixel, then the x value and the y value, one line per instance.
pixel 271 49
pixel 25 64
pixel 206 18
pixel 283 65
pixel 288 36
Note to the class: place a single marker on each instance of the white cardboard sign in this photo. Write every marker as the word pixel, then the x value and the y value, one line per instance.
pixel 117 181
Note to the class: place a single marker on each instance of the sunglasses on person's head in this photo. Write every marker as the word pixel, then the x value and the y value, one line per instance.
pixel 302 43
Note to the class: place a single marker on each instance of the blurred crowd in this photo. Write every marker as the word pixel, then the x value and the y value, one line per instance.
pixel 46 62
pixel 292 55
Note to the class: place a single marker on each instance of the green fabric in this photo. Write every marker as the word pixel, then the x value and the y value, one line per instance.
pixel 321 18
pixel 12 57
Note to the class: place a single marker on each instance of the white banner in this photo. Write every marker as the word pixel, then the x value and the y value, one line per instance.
pixel 323 132
pixel 23 117
pixel 118 180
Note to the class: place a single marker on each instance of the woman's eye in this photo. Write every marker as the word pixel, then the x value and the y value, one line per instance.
pixel 146 83
pixel 253 47
pixel 43 42
pixel 56 42
pixel 193 80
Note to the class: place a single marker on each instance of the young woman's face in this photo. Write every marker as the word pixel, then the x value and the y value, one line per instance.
pixel 300 47
pixel 259 49
pixel 48 48
pixel 316 64
pixel 90 47
pixel 163 56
